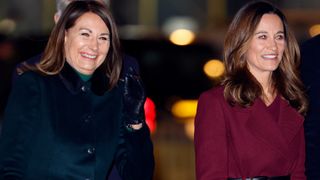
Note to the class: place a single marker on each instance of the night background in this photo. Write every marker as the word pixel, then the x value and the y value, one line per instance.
pixel 171 73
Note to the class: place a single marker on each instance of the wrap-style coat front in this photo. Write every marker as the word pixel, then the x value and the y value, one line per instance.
pixel 232 141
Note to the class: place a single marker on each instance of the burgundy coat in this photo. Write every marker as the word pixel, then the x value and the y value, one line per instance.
pixel 258 144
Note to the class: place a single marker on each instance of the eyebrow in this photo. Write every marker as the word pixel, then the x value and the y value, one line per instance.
pixel 104 34
pixel 265 32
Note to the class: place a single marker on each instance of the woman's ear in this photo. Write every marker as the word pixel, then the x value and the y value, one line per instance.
pixel 56 17
pixel 65 36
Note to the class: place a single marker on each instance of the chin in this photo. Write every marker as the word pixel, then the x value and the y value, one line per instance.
pixel 87 72
pixel 273 69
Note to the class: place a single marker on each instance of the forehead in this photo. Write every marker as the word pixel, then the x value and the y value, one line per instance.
pixel 69 1
pixel 270 22
pixel 90 19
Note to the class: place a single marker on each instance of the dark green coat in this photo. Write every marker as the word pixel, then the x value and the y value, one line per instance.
pixel 59 127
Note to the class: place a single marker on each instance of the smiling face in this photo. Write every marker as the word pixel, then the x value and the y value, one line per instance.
pixel 266 46
pixel 87 43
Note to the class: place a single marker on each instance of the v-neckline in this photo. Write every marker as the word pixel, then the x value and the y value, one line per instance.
pixel 273 102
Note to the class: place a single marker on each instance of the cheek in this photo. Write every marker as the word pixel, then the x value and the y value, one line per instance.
pixel 252 53
pixel 67 49
pixel 70 51
pixel 105 48
pixel 74 47
pixel 255 49
pixel 282 47
pixel 103 51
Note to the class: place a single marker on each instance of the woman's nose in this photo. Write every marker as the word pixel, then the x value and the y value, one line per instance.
pixel 94 44
pixel 272 44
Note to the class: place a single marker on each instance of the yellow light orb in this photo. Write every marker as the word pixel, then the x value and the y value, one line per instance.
pixel 189 128
pixel 184 108
pixel 182 37
pixel 314 30
pixel 7 25
pixel 214 68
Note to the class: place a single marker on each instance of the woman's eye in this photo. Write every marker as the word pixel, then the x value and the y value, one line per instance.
pixel 85 34
pixel 262 37
pixel 104 38
pixel 280 37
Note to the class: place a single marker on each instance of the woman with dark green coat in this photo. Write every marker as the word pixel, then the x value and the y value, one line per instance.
pixel 70 116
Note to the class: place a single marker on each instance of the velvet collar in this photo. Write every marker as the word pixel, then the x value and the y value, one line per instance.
pixel 98 84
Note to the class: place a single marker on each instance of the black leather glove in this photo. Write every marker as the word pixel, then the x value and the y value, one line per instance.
pixel 134 99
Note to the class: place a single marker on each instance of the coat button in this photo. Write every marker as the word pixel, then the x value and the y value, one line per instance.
pixel 91 150
pixel 83 89
pixel 88 118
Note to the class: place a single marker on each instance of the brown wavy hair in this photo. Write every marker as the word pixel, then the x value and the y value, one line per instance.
pixel 241 87
pixel 53 59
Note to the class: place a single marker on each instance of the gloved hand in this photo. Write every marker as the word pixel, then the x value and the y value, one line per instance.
pixel 134 98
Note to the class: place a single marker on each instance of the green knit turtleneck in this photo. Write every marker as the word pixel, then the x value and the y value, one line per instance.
pixel 84 77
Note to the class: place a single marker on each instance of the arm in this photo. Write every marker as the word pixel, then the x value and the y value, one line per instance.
pixel 299 168
pixel 210 140
pixel 134 158
pixel 18 126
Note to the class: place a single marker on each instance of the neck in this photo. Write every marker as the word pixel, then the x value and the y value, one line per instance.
pixel 84 77
pixel 269 93
pixel 268 90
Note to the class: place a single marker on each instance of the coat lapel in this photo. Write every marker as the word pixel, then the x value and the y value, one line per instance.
pixel 263 125
pixel 290 121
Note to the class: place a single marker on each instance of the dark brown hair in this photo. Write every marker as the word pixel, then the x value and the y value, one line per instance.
pixel 53 58
pixel 241 87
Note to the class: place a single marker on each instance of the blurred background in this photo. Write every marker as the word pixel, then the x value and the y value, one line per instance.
pixel 178 44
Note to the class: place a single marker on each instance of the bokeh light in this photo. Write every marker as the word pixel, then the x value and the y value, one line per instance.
pixel 189 128
pixel 181 30
pixel 150 113
pixel 182 37
pixel 214 68
pixel 184 108
pixel 314 30
pixel 7 25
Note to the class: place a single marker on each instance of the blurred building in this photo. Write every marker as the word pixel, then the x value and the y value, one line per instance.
pixel 170 72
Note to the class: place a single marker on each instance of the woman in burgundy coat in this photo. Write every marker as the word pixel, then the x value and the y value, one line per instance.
pixel 251 127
